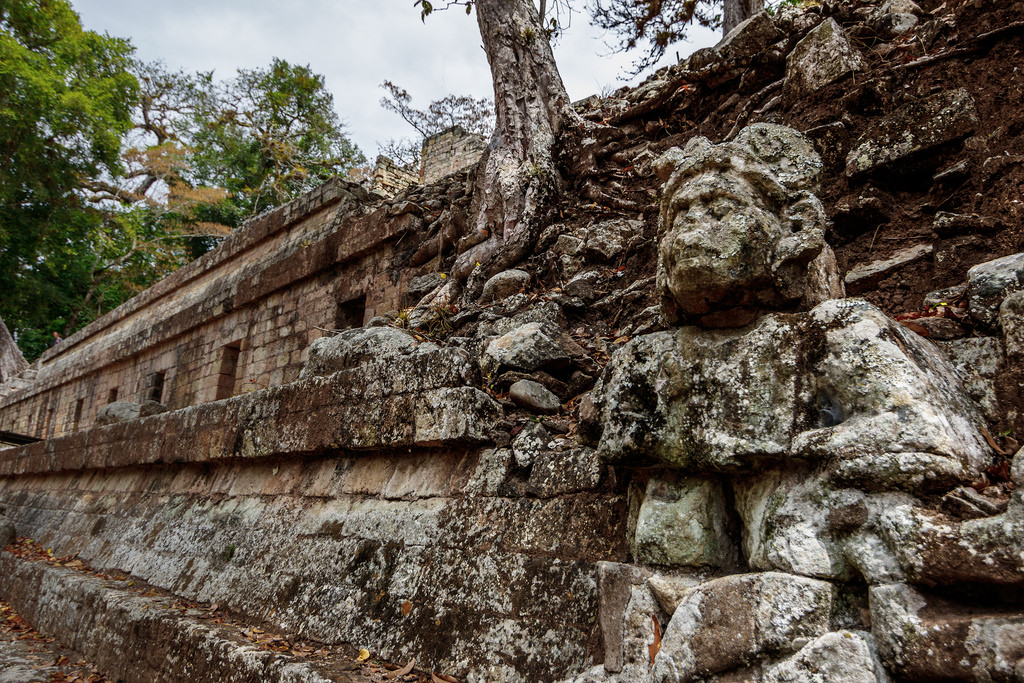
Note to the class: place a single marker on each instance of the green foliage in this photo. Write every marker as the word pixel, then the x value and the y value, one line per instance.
pixel 66 97
pixel 114 173
pixel 268 136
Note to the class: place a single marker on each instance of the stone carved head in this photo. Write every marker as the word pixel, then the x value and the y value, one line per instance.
pixel 743 232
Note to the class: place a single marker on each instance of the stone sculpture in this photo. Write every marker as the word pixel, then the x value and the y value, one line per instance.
pixel 811 425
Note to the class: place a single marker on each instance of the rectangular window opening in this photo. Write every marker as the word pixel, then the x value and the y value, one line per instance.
pixel 227 375
pixel 350 313
pixel 112 395
pixel 79 405
pixel 156 386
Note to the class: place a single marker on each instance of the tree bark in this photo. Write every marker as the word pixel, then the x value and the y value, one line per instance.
pixel 531 107
pixel 735 12
pixel 11 360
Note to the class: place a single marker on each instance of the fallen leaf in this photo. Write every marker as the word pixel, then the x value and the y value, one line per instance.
pixel 992 442
pixel 406 608
pixel 364 654
pixel 654 648
pixel 916 327
pixel 391 675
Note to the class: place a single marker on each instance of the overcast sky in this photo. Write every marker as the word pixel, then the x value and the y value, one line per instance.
pixel 355 44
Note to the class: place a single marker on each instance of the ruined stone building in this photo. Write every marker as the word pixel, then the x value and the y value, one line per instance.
pixel 750 410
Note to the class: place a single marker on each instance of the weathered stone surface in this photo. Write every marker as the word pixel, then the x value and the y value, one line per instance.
pixel 989 283
pixel 670 589
pixel 135 636
pixel 843 383
pixel 822 57
pixel 617 588
pixel 529 347
pixel 913 130
pixel 534 396
pixel 683 522
pixel 868 275
pixel 978 361
pixel 122 411
pixel 1011 320
pixel 937 550
pixel 607 239
pixel 564 469
pixel 727 622
pixel 836 657
pixel 504 284
pixel 726 247
pixel 925 638
pixel 895 17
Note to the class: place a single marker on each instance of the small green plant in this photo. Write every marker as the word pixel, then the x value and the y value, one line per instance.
pixel 229 552
pixel 528 34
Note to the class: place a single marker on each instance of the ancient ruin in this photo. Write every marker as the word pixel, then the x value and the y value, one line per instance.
pixel 748 410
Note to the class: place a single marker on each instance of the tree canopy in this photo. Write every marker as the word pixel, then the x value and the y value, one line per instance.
pixel 113 173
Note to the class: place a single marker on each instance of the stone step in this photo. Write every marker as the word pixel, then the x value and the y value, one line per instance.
pixel 142 637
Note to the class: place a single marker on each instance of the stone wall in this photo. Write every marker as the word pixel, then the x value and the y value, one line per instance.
pixel 235 320
pixel 390 179
pixel 449 151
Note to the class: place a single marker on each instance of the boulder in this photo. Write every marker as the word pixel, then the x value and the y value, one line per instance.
pixel 606 240
pixel 895 17
pixel 836 657
pixel 534 397
pixel 122 411
pixel 979 361
pixel 530 347
pixel 912 131
pixel 988 284
pixel 822 57
pixel 504 284
pixel 728 622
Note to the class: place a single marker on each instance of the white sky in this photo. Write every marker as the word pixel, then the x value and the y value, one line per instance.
pixel 355 44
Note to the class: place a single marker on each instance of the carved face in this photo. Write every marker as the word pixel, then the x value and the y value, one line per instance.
pixel 740 228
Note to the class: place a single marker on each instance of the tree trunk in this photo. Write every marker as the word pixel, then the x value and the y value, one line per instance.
pixel 531 106
pixel 11 360
pixel 735 12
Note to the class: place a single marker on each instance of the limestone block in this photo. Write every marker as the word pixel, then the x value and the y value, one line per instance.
pixel 988 284
pixel 978 361
pixel 533 439
pixel 727 622
pixel 924 638
pixel 504 284
pixel 624 611
pixel 836 657
pixel 530 347
pixel 564 469
pixel 607 239
pixel 913 130
pixel 534 396
pixel 1011 320
pixel 683 522
pixel 937 550
pixel 822 57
